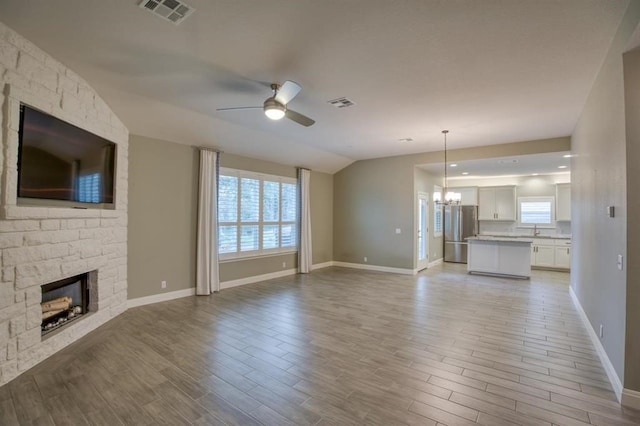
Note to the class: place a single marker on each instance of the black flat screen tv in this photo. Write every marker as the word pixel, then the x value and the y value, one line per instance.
pixel 61 164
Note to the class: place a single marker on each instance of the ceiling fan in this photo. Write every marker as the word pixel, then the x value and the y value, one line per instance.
pixel 276 106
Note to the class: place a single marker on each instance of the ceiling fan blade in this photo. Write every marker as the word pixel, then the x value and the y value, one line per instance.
pixel 299 118
pixel 288 91
pixel 238 108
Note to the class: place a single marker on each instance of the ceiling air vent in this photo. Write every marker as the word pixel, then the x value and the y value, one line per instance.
pixel 342 103
pixel 170 10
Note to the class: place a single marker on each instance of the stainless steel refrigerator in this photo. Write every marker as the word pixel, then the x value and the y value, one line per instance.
pixel 460 222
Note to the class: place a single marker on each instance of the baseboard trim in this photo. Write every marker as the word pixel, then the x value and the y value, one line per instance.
pixel 322 265
pixel 435 263
pixel 375 268
pixel 162 297
pixel 616 384
pixel 257 278
pixel 631 399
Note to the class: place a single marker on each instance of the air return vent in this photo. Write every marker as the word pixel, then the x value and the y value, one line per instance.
pixel 170 10
pixel 341 103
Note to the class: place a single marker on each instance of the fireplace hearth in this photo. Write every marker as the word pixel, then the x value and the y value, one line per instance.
pixel 63 302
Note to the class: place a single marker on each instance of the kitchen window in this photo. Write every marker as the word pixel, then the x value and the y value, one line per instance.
pixel 536 211
pixel 257 214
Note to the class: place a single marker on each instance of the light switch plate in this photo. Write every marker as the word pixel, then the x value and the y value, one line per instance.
pixel 398 230
pixel 620 262
pixel 611 211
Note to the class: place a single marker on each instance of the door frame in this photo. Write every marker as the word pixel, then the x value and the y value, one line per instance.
pixel 422 263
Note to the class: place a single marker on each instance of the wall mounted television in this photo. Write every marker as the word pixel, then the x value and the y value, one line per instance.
pixel 62 165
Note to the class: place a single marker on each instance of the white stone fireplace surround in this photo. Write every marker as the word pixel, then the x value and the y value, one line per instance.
pixel 45 244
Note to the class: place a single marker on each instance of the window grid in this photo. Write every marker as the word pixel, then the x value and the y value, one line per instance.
pixel 437 211
pixel 269 230
pixel 89 188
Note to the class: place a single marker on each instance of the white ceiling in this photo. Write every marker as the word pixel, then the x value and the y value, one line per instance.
pixel 518 165
pixel 490 71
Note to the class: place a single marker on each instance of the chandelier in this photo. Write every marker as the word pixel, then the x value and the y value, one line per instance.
pixel 450 197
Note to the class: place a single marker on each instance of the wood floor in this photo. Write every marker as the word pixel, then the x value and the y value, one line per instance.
pixel 336 347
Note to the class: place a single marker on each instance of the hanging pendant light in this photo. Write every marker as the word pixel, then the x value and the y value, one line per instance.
pixel 449 197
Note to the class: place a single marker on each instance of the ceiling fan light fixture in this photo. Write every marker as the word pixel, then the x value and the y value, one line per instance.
pixel 273 109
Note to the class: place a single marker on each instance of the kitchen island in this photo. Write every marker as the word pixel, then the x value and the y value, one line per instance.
pixel 500 256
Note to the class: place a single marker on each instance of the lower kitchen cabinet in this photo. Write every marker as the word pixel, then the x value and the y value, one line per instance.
pixel 542 255
pixel 551 253
pixel 563 257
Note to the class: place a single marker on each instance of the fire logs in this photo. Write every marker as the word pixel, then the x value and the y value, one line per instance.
pixel 60 304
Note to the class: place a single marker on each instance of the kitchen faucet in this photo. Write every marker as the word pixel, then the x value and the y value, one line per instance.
pixel 535 230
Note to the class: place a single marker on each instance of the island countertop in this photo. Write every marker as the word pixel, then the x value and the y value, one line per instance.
pixel 499 238
pixel 528 236
pixel 501 256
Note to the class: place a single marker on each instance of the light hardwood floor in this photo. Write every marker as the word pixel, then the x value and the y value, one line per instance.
pixel 336 347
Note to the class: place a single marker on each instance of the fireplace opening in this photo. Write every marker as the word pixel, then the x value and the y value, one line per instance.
pixel 64 301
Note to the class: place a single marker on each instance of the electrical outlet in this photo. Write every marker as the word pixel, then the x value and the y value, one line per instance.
pixel 284 264
pixel 163 284
pixel 601 331
pixel 365 259
pixel 398 230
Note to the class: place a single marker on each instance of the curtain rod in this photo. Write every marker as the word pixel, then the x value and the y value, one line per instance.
pixel 205 148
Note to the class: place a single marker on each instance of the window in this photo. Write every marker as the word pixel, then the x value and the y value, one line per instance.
pixel 437 211
pixel 257 214
pixel 538 211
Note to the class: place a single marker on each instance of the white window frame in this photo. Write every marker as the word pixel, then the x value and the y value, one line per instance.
pixel 438 213
pixel 552 203
pixel 262 177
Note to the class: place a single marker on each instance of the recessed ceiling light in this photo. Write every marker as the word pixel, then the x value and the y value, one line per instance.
pixel 535 174
pixel 453 165
pixel 566 156
pixel 405 140
pixel 562 167
pixel 465 173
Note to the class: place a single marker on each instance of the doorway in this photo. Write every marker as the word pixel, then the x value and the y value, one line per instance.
pixel 422 231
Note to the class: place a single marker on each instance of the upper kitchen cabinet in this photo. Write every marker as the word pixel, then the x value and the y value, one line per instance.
pixel 563 202
pixel 497 203
pixel 468 195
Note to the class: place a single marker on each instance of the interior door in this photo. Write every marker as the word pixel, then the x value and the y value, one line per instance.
pixel 422 238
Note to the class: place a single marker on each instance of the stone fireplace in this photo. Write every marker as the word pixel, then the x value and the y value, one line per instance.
pixel 46 244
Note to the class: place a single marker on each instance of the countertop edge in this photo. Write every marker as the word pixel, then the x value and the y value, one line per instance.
pixel 501 239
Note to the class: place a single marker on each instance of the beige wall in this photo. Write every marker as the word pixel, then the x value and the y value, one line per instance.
pixel 599 179
pixel 374 197
pixel 371 199
pixel 632 107
pixel 321 188
pixel 163 180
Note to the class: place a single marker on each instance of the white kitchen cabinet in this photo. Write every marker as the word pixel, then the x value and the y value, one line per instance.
pixel 551 253
pixel 563 253
pixel 499 256
pixel 563 202
pixel 497 203
pixel 543 253
pixel 468 195
pixel 563 257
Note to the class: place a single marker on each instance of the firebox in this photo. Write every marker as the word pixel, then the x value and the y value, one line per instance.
pixel 64 301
